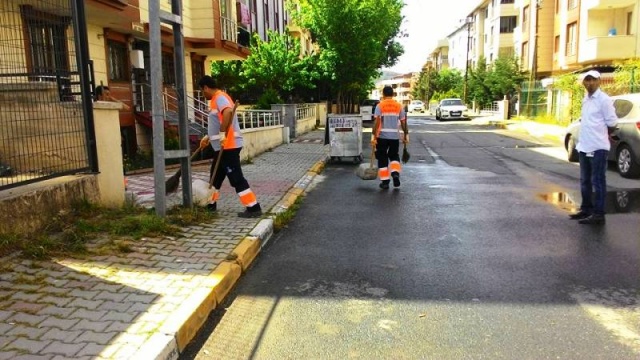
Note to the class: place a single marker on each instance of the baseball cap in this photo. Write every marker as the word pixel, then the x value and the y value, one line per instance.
pixel 593 73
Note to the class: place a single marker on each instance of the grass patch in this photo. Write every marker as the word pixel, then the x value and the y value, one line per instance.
pixel 285 217
pixel 69 232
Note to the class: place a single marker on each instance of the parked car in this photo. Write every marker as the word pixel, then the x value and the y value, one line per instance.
pixel 366 109
pixel 416 106
pixel 451 109
pixel 625 140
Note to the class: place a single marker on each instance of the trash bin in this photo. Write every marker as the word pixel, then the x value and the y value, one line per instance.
pixel 345 137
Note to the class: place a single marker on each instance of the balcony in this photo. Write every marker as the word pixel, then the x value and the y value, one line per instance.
pixel 607 4
pixel 606 48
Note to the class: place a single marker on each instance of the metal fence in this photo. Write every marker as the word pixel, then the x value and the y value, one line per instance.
pixel 563 105
pixel 45 127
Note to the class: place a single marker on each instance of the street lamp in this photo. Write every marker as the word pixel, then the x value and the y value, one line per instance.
pixel 468 21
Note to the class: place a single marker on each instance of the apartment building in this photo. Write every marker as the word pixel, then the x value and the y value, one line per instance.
pixel 488 31
pixel 567 35
pixel 119 48
pixel 439 57
pixel 402 86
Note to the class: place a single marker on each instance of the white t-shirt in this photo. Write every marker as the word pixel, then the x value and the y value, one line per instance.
pixel 597 114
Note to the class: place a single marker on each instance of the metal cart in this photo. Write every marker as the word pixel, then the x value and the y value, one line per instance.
pixel 345 136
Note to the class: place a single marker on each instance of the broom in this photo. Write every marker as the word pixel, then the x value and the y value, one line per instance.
pixel 368 171
pixel 215 168
pixel 171 185
pixel 405 155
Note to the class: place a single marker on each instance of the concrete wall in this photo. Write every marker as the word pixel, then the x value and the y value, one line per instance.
pixel 26 210
pixel 257 141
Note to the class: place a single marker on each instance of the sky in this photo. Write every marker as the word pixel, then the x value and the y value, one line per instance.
pixel 426 22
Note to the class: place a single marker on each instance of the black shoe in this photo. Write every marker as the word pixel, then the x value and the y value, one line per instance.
pixel 396 180
pixel 579 215
pixel 384 185
pixel 212 207
pixel 250 214
pixel 593 220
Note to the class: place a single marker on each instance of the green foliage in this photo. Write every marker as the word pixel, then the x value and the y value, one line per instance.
pixel 72 232
pixel 570 84
pixel 356 38
pixel 268 98
pixel 505 77
pixel 478 89
pixel 227 73
pixel 627 74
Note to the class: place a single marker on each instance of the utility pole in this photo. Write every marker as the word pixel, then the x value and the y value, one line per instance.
pixel 468 21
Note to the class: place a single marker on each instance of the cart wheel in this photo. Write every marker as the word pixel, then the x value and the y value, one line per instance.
pixel 357 160
pixel 339 159
pixel 332 159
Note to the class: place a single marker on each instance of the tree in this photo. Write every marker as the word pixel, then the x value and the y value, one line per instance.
pixel 627 74
pixel 477 87
pixel 447 83
pixel 505 78
pixel 356 38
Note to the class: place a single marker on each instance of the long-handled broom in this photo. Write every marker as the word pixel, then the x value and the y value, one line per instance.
pixel 215 167
pixel 171 185
pixel 368 171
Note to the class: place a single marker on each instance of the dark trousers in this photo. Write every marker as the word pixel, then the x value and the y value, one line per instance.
pixel 230 168
pixel 386 151
pixel 593 181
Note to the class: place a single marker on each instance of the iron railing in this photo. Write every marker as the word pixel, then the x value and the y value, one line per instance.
pixel 229 29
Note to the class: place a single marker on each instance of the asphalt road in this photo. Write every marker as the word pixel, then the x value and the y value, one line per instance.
pixel 472 258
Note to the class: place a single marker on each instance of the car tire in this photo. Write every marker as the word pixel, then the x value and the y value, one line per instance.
pixel 572 153
pixel 437 115
pixel 626 162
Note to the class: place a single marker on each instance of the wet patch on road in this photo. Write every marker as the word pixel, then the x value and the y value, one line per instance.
pixel 619 201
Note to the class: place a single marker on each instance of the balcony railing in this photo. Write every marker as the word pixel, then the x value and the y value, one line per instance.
pixel 229 29
pixel 607 48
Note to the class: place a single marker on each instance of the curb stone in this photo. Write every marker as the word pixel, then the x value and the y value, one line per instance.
pixel 163 345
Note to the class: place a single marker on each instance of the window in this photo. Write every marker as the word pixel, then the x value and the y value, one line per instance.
pixel 168 69
pixel 557 6
pixel 623 107
pixel 571 38
pixel 47 53
pixel 629 22
pixel 525 18
pixel 506 1
pixel 486 12
pixel 525 53
pixel 556 44
pixel 507 24
pixel 117 60
pixel 572 4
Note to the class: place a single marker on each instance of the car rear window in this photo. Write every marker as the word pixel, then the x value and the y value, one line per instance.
pixel 623 107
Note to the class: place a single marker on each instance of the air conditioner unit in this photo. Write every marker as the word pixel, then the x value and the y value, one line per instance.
pixel 137 59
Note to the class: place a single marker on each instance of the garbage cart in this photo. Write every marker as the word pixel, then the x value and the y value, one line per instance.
pixel 345 137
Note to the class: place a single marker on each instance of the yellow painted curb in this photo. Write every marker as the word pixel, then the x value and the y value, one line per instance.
pixel 247 251
pixel 289 199
pixel 225 275
pixel 318 167
pixel 194 322
pixel 296 191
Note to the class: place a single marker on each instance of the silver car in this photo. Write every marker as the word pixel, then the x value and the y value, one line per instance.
pixel 625 140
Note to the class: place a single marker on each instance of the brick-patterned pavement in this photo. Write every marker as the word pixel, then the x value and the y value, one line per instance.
pixel 132 306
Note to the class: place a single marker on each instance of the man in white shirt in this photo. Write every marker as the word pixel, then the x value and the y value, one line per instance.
pixel 598 119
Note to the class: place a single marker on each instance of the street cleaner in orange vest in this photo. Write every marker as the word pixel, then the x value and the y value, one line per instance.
pixel 390 118
pixel 224 130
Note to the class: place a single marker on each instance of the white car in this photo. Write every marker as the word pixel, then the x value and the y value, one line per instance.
pixel 451 109
pixel 416 106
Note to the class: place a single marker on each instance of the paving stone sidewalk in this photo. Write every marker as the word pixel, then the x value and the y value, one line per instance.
pixel 147 304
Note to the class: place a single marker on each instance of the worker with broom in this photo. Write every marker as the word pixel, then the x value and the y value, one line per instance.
pixel 390 118
pixel 226 139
